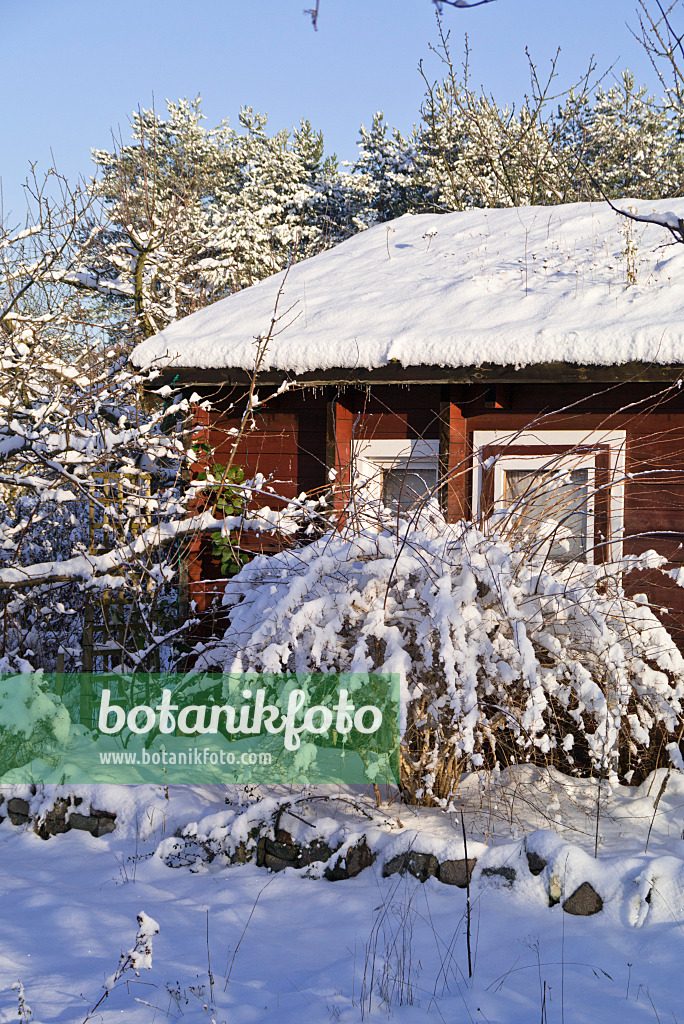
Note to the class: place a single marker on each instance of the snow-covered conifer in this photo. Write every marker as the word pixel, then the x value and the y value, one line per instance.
pixel 388 171
pixel 632 143
pixel 192 214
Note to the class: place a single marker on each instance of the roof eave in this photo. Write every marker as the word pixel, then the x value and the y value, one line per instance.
pixel 394 373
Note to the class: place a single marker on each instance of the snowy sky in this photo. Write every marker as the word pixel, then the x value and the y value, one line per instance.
pixel 72 71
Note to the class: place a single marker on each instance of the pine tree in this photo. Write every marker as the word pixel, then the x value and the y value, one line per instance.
pixel 477 153
pixel 154 248
pixel 389 173
pixel 474 152
pixel 192 214
pixel 633 147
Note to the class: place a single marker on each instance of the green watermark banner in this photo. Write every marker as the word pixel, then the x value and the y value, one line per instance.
pixel 199 728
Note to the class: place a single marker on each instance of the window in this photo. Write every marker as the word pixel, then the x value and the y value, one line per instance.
pixel 400 473
pixel 567 486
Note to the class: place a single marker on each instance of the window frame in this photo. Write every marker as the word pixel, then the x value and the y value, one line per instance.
pixel 601 451
pixel 373 455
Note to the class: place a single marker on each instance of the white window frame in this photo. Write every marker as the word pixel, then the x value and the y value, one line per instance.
pixel 372 456
pixel 611 441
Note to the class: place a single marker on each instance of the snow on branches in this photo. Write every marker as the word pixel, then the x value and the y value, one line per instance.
pixel 79 446
pixel 668 220
pixel 191 213
pixel 77 451
pixel 503 657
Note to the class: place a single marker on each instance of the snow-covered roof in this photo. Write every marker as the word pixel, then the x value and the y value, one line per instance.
pixel 510 287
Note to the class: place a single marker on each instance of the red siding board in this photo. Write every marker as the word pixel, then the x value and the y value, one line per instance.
pixel 300 436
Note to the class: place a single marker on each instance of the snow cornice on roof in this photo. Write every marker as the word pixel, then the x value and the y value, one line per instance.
pixel 573 285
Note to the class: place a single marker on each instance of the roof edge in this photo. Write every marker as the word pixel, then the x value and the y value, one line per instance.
pixel 540 373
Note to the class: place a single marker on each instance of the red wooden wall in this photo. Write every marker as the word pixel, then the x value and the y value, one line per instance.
pixel 301 435
pixel 287 446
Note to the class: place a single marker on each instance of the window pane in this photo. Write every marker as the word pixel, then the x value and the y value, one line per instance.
pixel 403 487
pixel 552 498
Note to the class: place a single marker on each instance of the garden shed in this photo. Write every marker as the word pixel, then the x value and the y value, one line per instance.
pixel 480 359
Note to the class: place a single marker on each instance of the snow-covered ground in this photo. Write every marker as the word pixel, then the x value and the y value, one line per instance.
pixel 241 944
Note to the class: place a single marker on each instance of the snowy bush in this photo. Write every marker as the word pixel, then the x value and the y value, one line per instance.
pixel 90 496
pixel 77 456
pixel 504 656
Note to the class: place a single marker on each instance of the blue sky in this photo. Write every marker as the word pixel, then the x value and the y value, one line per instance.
pixel 73 70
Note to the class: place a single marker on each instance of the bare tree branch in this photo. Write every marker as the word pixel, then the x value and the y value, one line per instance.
pixel 662 43
pixel 669 220
pixel 461 3
pixel 313 12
